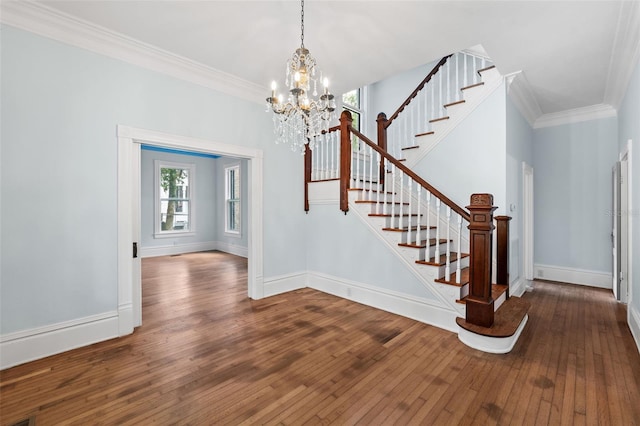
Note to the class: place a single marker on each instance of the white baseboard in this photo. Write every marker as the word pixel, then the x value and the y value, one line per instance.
pixel 634 324
pixel 518 287
pixel 194 247
pixel 28 345
pixel 574 276
pixel 241 251
pixel 284 283
pixel 419 309
pixel 177 249
pixel 492 345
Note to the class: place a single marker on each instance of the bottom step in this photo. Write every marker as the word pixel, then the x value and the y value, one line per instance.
pixel 508 323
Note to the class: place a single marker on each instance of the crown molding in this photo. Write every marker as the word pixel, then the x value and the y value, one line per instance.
pixel 624 54
pixel 593 112
pixel 519 90
pixel 48 22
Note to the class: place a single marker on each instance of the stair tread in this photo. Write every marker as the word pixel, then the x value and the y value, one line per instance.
pixel 446 117
pixel 432 242
pixel 481 70
pixel 464 278
pixel 425 133
pixel 461 101
pixel 411 147
pixel 506 320
pixel 473 85
pixel 406 229
pixel 496 292
pixel 443 259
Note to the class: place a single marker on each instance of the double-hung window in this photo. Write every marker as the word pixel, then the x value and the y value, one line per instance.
pixel 232 199
pixel 352 101
pixel 174 194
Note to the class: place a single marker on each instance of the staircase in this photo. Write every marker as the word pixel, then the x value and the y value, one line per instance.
pixel 420 225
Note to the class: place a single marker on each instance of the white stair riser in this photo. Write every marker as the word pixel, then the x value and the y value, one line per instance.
pixel 455 292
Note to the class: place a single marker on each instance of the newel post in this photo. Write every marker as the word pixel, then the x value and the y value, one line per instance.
pixel 479 300
pixel 502 251
pixel 345 159
pixel 307 175
pixel 382 143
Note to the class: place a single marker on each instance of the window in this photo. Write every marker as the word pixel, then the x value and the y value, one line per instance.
pixel 174 198
pixel 353 101
pixel 232 199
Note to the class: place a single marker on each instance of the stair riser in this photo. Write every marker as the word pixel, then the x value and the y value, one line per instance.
pixel 424 235
pixel 400 222
pixel 452 291
pixel 464 263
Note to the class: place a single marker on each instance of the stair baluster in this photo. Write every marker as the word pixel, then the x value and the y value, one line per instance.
pixel 379 186
pixel 418 231
pixel 458 263
pixel 437 254
pixel 428 209
pixel 401 177
pixel 409 210
pixel 393 195
pixel 447 268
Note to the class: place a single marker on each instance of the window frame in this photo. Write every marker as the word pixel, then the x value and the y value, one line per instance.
pixel 190 199
pixel 237 231
pixel 361 111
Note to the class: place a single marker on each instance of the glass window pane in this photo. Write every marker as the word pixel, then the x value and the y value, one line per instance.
pixel 352 98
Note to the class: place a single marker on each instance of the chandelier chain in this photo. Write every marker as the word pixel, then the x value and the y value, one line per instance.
pixel 302 24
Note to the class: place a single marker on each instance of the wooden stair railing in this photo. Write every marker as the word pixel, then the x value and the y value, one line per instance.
pixel 325 164
pixel 402 205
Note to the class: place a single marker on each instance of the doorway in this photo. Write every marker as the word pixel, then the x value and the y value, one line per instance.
pixel 621 226
pixel 129 268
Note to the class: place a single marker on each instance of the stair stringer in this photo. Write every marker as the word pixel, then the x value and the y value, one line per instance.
pixel 426 274
pixel 474 98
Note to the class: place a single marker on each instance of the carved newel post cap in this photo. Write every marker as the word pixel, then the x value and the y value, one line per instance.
pixel 481 200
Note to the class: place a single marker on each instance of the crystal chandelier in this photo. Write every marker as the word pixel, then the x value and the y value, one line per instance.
pixel 304 114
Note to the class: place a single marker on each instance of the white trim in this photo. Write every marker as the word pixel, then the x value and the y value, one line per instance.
pixel 574 276
pixel 520 92
pixel 528 222
pixel 518 287
pixel 28 345
pixel 327 192
pixel 237 176
pixel 284 283
pixel 634 324
pixel 230 248
pixel 494 345
pixel 419 309
pixel 593 112
pixel 48 22
pixel 625 53
pixel 129 140
pixel 168 250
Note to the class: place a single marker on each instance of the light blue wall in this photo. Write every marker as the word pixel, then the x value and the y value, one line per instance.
pixel 472 158
pixel 573 194
pixel 629 128
pixel 204 200
pixel 387 95
pixel 60 107
pixel 343 246
pixel 242 239
pixel 519 149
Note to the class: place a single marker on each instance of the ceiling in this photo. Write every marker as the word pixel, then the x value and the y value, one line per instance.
pixel 567 49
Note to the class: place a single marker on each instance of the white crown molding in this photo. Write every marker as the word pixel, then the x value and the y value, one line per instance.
pixel 624 54
pixel 593 112
pixel 42 20
pixel 519 90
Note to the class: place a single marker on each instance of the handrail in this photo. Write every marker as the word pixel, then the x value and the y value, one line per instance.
pixel 456 208
pixel 417 90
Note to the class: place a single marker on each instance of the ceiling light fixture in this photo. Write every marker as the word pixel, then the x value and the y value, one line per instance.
pixel 304 114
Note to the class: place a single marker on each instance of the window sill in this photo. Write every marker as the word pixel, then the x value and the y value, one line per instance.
pixel 173 234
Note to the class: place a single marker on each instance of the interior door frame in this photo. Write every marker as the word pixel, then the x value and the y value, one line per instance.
pixel 527 220
pixel 129 280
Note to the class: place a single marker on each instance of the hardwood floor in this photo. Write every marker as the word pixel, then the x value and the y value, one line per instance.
pixel 206 354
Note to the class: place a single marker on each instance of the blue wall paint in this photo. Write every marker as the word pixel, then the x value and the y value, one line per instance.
pixel 629 128
pixel 573 194
pixel 177 151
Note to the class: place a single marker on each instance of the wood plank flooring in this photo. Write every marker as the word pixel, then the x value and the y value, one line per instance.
pixel 206 354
